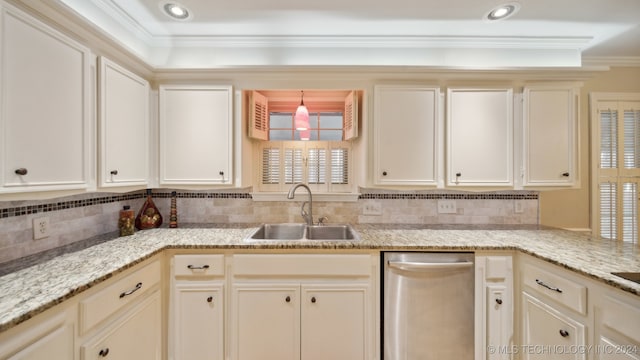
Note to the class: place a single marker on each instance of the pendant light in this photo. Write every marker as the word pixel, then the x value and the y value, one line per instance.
pixel 301 119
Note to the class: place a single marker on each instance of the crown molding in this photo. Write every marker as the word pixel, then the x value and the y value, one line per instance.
pixel 611 61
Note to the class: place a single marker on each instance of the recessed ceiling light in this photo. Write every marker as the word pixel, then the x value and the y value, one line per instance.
pixel 176 11
pixel 503 11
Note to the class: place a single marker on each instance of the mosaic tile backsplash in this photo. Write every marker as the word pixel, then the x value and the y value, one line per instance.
pixel 80 217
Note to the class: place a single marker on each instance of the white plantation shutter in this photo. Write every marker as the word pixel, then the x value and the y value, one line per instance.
pixel 258 116
pixel 316 166
pixel 324 166
pixel 618 173
pixel 631 120
pixel 293 165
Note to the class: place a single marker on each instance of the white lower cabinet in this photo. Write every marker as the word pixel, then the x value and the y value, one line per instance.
pixel 42 340
pixel 136 335
pixel 617 330
pixel 197 307
pixel 306 307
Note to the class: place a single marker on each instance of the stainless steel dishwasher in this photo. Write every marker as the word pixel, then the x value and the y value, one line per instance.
pixel 428 306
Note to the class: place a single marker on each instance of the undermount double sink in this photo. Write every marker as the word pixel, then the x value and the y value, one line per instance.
pixel 300 232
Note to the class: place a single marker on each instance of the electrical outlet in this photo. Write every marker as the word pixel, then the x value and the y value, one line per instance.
pixel 447 207
pixel 41 228
pixel 372 209
pixel 518 206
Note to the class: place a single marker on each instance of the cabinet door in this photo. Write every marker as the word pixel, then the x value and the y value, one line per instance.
pixel 45 123
pixel 265 322
pixel 549 136
pixel 124 126
pixel 136 335
pixel 198 326
pixel 618 329
pixel 195 134
pixel 547 332
pixel 480 137
pixel 335 322
pixel 42 341
pixel 406 140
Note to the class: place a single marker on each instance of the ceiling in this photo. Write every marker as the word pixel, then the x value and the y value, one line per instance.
pixel 451 33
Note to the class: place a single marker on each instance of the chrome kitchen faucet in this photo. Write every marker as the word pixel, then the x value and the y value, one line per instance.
pixel 308 217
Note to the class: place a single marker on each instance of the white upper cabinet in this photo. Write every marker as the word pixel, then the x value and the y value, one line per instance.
pixel 480 137
pixel 123 126
pixel 46 122
pixel 550 147
pixel 196 144
pixel 406 135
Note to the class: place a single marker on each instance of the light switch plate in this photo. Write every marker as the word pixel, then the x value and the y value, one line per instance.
pixel 447 207
pixel 372 209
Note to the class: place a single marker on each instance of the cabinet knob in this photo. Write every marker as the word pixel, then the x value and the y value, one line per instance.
pixel 114 172
pixel 565 174
pixel 564 333
pixel 313 299
pixel 210 299
pixel 288 299
pixel 384 173
pixel 104 352
pixel 21 171
pixel 499 301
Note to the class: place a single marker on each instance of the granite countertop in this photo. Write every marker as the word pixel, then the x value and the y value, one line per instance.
pixel 29 291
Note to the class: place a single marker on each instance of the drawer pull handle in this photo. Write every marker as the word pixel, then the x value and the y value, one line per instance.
pixel 21 171
pixel 499 301
pixel 195 267
pixel 564 333
pixel 210 299
pixel 313 300
pixel 127 293
pixel 541 283
pixel 114 172
pixel 288 299
pixel 104 352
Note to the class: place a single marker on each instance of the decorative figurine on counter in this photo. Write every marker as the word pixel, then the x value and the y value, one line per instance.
pixel 126 221
pixel 149 217
pixel 173 215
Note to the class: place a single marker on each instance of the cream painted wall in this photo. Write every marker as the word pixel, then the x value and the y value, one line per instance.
pixel 571 208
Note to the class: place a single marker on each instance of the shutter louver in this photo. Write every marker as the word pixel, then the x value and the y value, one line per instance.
pixel 630 212
pixel 608 212
pixel 316 166
pixel 631 120
pixel 608 139
pixel 293 166
pixel 270 166
pixel 340 166
pixel 350 122
pixel 258 116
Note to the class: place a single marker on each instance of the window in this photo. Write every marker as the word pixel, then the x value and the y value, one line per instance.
pixel 324 162
pixel 324 126
pixel 616 153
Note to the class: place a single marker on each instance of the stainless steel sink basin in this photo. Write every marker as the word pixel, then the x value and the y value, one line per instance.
pixel 331 232
pixel 303 232
pixel 279 232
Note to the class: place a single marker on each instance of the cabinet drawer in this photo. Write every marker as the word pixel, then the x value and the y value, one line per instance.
pixel 100 305
pixel 198 265
pixel 302 265
pixel 622 318
pixel 565 291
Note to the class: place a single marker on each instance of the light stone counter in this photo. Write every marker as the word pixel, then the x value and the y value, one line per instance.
pixel 32 290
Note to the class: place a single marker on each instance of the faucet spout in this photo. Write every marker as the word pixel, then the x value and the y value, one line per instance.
pixel 308 217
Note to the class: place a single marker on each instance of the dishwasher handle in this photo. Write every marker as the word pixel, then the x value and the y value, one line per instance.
pixel 427 266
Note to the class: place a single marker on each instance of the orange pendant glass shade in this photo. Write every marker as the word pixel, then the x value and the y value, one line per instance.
pixel 301 119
